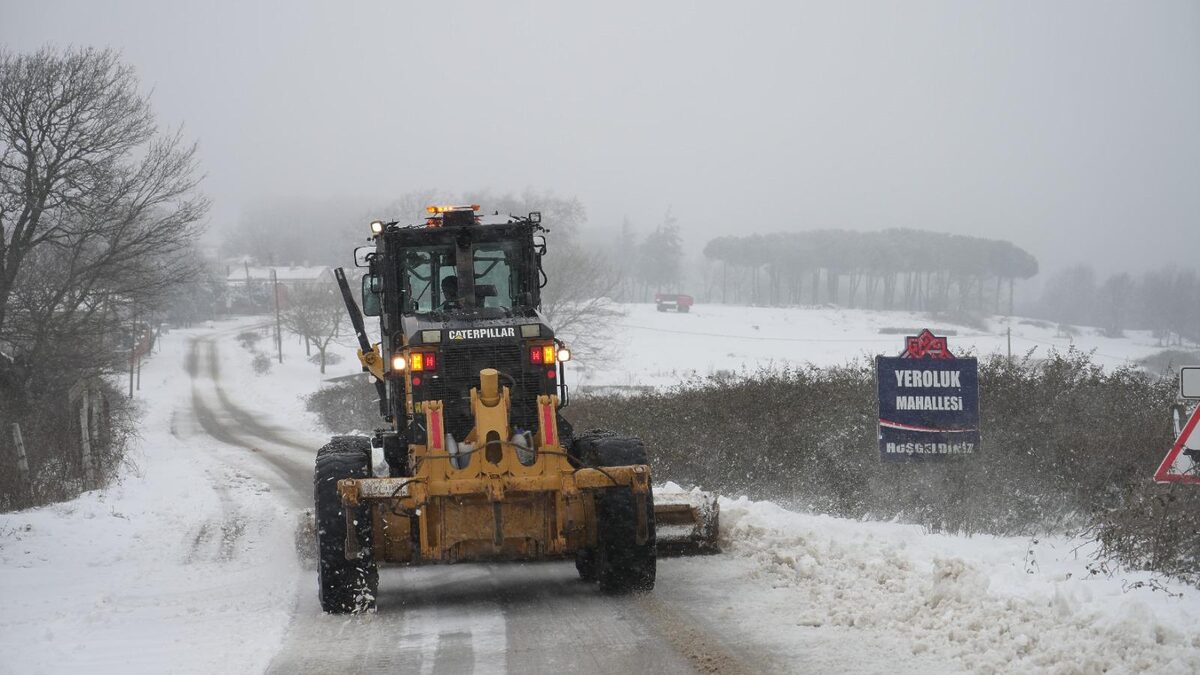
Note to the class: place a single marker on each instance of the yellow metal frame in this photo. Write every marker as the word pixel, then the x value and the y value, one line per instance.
pixel 496 506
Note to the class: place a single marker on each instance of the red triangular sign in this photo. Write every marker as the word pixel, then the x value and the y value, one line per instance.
pixel 1180 467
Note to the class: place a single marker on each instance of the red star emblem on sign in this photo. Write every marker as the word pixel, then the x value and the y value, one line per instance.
pixel 926 346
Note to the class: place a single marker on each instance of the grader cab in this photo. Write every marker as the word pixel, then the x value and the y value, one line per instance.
pixel 481 464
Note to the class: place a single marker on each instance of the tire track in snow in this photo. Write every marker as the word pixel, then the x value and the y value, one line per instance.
pixel 216 539
pixel 245 420
pixel 218 426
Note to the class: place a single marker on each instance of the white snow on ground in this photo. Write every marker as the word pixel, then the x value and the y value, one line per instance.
pixel 980 604
pixel 664 348
pixel 279 396
pixel 184 565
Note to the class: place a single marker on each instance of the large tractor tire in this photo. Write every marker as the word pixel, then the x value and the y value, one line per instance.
pixel 618 562
pixel 345 586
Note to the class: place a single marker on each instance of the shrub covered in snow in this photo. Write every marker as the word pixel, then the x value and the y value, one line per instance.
pixel 331 358
pixel 249 339
pixel 346 405
pixel 261 364
pixel 1062 439
pixel 1155 527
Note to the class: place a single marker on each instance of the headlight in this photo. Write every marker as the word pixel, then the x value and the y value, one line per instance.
pixel 564 354
pixel 376 227
pixel 531 330
pixel 398 362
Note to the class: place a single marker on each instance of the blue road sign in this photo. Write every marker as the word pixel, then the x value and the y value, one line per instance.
pixel 928 408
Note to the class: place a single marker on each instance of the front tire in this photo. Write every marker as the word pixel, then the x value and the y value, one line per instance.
pixel 344 586
pixel 618 562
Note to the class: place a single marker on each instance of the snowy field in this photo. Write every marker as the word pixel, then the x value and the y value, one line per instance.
pixel 189 563
pixel 663 348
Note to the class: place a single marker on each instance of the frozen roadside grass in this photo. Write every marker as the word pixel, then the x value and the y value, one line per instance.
pixel 185 565
pixel 981 604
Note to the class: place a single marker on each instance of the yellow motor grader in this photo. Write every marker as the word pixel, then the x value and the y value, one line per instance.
pixel 481 464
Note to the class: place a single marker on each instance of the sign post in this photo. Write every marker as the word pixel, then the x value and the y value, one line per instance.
pixel 928 402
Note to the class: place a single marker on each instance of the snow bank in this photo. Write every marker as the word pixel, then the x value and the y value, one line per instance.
pixel 988 604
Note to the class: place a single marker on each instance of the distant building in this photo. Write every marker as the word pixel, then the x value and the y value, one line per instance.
pixel 250 285
pixel 290 276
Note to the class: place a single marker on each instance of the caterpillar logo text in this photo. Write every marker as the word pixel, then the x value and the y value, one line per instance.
pixel 480 333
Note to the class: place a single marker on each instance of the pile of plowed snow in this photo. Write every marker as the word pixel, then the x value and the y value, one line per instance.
pixel 990 604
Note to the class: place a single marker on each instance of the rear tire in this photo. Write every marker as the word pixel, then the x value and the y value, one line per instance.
pixel 601 447
pixel 622 564
pixel 618 562
pixel 585 564
pixel 344 586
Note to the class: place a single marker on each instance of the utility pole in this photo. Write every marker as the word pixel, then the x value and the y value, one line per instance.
pixel 1010 344
pixel 278 328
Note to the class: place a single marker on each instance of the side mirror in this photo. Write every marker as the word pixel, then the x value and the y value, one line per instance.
pixel 539 244
pixel 371 304
pixel 361 256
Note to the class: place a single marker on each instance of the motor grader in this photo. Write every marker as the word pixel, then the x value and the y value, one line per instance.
pixel 480 462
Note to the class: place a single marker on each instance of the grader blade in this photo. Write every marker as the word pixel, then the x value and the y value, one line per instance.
pixel 686 522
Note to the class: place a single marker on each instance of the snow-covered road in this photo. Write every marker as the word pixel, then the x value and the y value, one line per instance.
pixel 200 561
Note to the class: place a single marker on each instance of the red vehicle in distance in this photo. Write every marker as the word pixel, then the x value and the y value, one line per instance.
pixel 673 301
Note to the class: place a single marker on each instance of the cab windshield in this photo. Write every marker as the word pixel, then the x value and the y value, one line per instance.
pixel 431 283
pixel 426 271
pixel 497 275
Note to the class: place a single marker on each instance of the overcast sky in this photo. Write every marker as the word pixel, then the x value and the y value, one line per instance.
pixel 1070 128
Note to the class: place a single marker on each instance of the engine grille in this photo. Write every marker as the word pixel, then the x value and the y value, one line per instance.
pixel 460 372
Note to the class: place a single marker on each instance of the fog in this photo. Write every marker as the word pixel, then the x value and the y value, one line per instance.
pixel 1071 129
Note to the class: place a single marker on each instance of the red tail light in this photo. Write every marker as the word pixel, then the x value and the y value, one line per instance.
pixel 542 354
pixel 422 361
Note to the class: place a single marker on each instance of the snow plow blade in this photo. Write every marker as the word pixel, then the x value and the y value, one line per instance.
pixel 686 521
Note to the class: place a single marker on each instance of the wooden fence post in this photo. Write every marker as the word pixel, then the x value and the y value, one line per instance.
pixel 89 467
pixel 22 460
pixel 94 413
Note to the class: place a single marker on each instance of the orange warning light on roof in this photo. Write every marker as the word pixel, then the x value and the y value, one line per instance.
pixel 436 209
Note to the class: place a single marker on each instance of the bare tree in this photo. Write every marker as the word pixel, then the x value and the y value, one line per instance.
pixel 315 312
pixel 577 300
pixel 83 172
pixel 99 214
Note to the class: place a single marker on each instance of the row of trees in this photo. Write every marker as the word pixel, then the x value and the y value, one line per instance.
pixel 1166 301
pixel 647 264
pixel 99 216
pixel 898 268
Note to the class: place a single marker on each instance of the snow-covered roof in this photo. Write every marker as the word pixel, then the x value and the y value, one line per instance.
pixel 239 274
